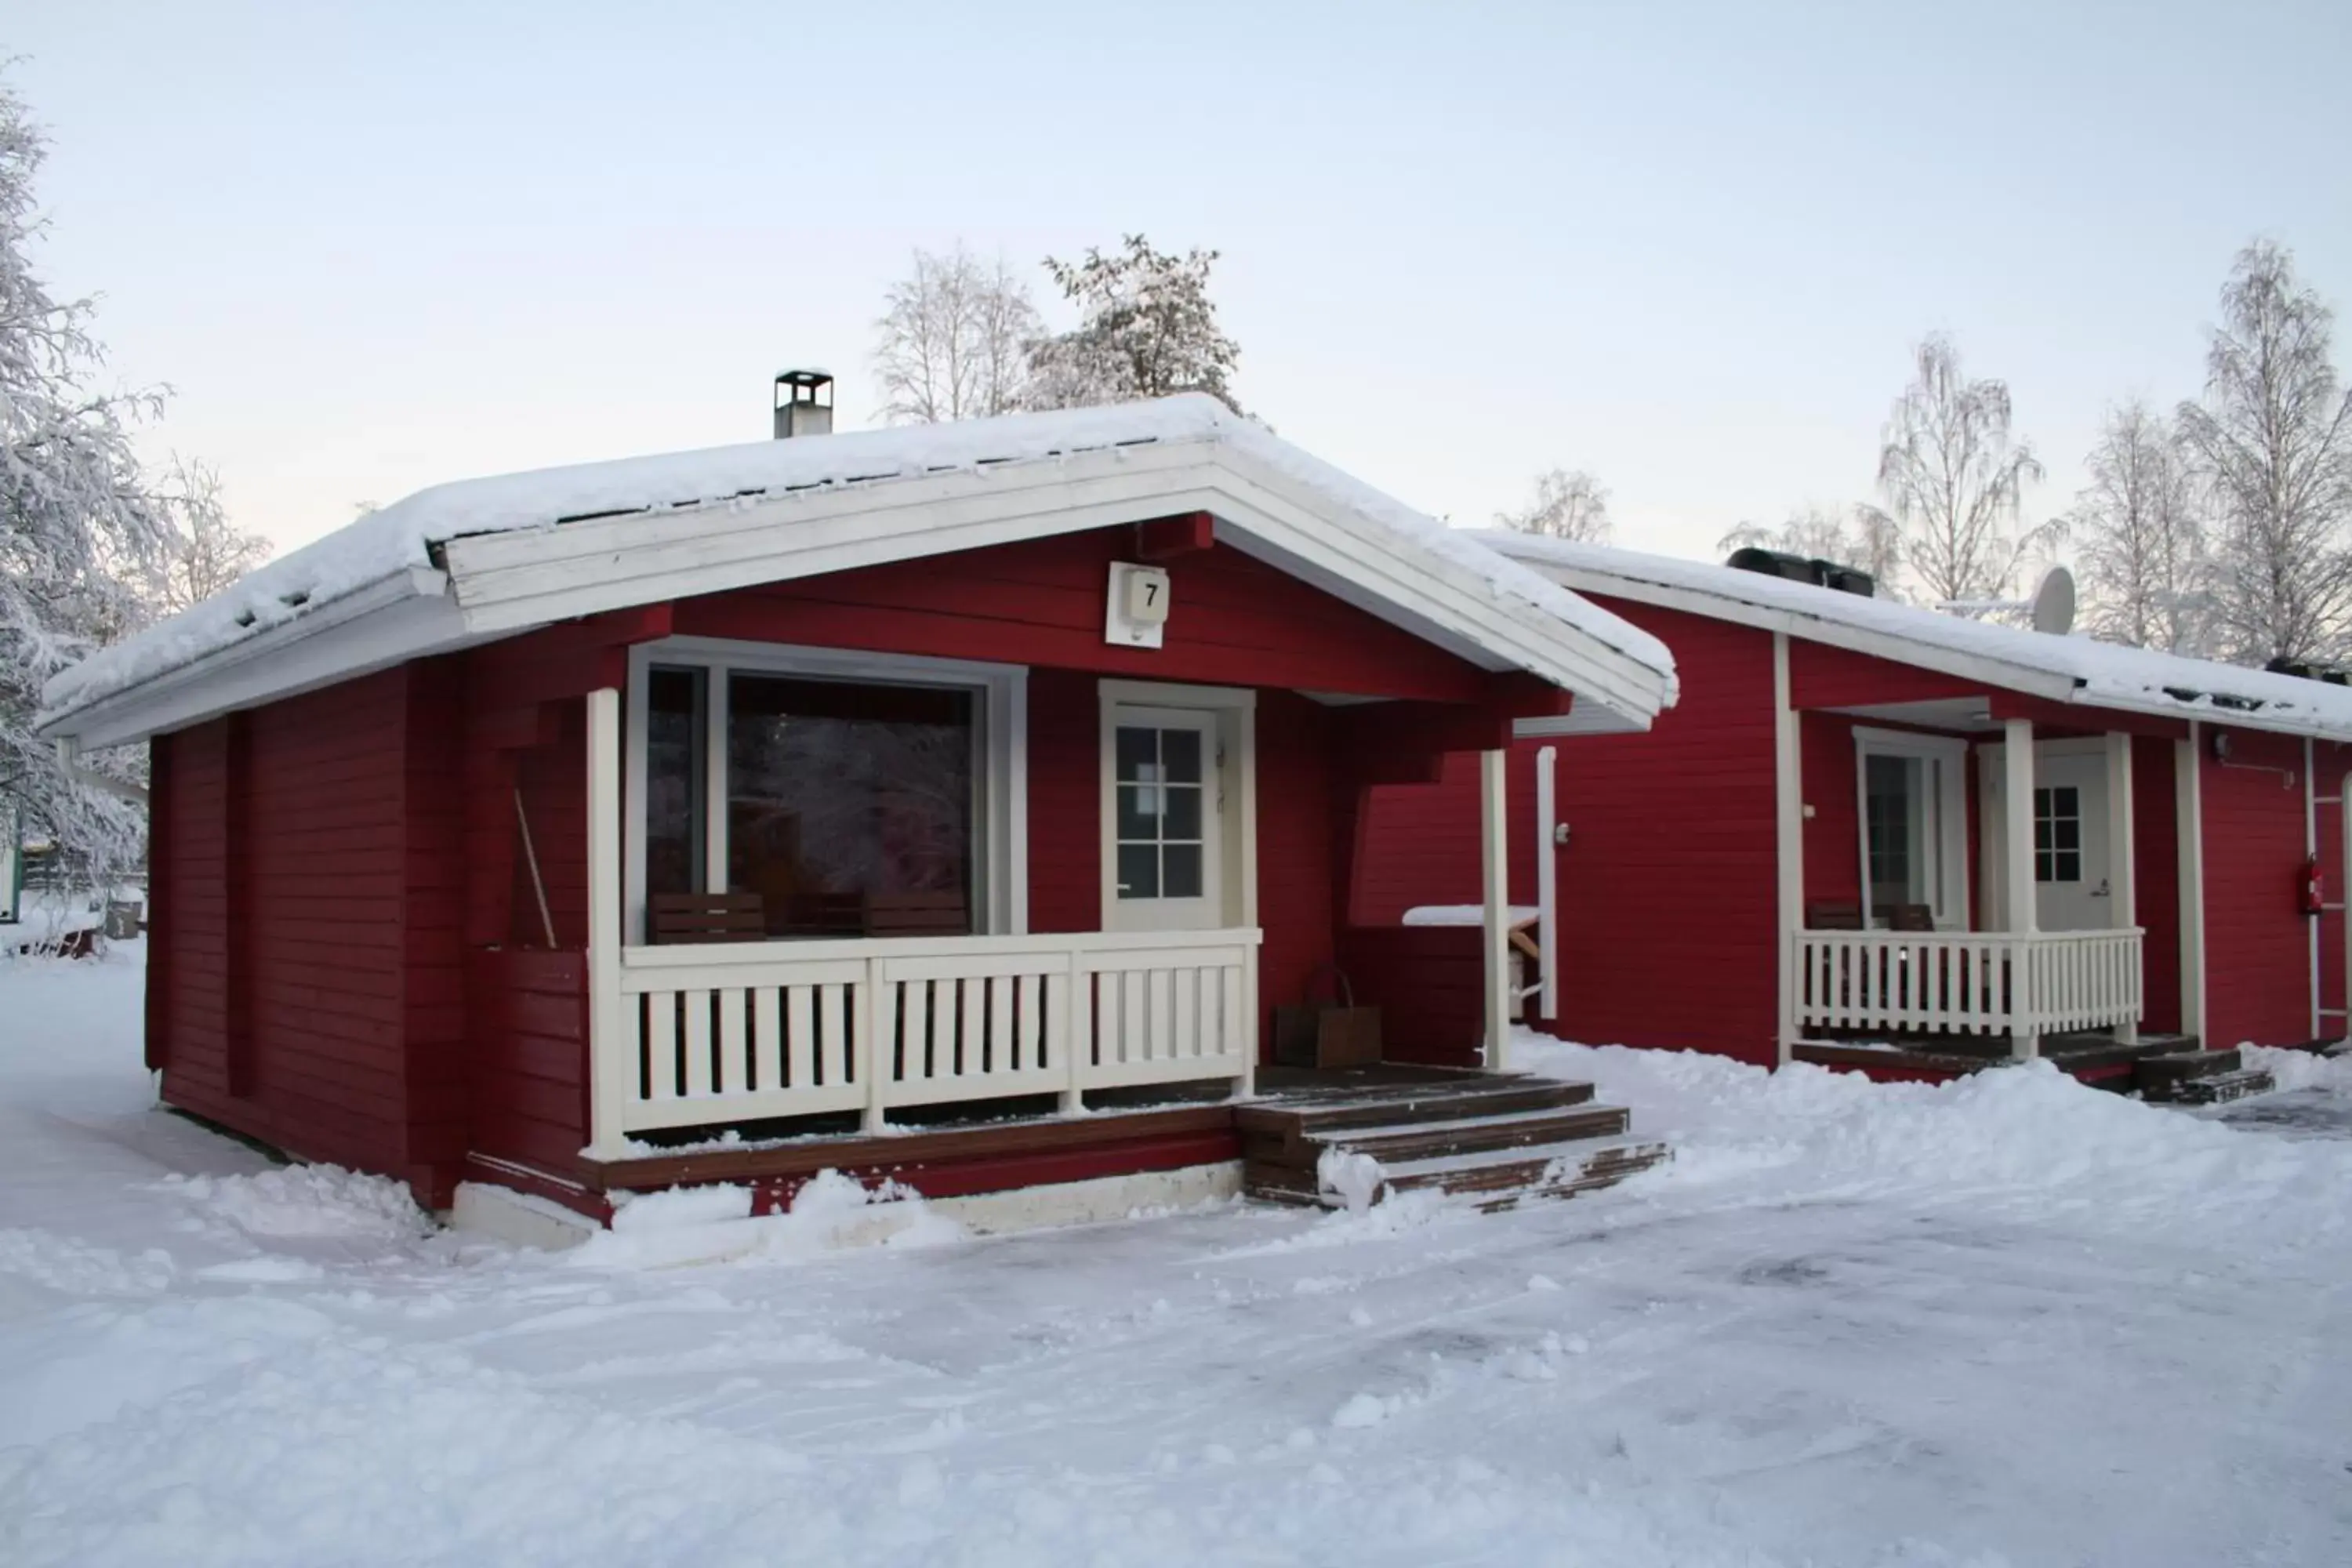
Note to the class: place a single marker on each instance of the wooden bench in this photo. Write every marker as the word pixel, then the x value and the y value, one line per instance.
pixel 706 916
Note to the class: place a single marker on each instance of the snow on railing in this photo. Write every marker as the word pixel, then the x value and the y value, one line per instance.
pixel 710 1035
pixel 1987 983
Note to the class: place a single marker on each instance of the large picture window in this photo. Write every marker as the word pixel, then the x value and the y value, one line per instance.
pixel 1913 814
pixel 849 796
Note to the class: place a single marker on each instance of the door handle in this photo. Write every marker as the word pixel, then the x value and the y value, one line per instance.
pixel 2101 890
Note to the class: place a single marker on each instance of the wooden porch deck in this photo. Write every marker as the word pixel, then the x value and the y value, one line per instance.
pixel 1501 1135
pixel 2160 1067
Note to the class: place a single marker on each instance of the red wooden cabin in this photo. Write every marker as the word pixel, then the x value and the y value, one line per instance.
pixel 1812 849
pixel 1016 761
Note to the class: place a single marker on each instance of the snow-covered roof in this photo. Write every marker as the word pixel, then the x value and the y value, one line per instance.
pixel 2073 667
pixel 463 562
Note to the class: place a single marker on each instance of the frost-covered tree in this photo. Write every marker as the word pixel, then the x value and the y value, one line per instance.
pixel 1953 480
pixel 953 340
pixel 1146 328
pixel 1567 504
pixel 81 531
pixel 2272 441
pixel 1859 536
pixel 207 552
pixel 2138 531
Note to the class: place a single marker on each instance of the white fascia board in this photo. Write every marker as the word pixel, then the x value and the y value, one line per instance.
pixel 2021 678
pixel 507 581
pixel 1332 548
pixel 396 618
pixel 1584 718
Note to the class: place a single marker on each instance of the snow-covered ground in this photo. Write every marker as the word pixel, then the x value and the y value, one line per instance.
pixel 2011 1320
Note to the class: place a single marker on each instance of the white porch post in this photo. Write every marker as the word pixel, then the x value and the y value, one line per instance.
pixel 1788 835
pixel 608 1077
pixel 2123 877
pixel 2017 815
pixel 2188 832
pixel 1494 804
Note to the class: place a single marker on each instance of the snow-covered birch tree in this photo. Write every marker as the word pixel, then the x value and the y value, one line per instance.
pixel 1954 479
pixel 81 531
pixel 1146 328
pixel 1859 536
pixel 2138 532
pixel 1567 504
pixel 207 552
pixel 953 339
pixel 2272 441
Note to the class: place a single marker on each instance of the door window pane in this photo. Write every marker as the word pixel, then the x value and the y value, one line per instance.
pixel 849 807
pixel 675 793
pixel 1897 805
pixel 2058 834
pixel 1161 804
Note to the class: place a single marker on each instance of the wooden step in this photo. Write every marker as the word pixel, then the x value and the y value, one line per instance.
pixel 1297 1134
pixel 2222 1088
pixel 1372 1106
pixel 1497 1177
pixel 2160 1078
pixel 1392 1144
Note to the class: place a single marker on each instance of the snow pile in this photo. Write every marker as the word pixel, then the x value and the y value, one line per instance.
pixel 2131 678
pixel 1355 1178
pixel 2302 1070
pixel 715 1223
pixel 2026 1133
pixel 71 1267
pixel 401 538
pixel 308 1201
pixel 1464 914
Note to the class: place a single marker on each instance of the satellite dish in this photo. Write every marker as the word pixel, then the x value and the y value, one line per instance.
pixel 2053 603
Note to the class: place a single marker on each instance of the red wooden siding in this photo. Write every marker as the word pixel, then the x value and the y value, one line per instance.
pixel 1820 676
pixel 1233 621
pixel 1428 983
pixel 2156 879
pixel 1666 887
pixel 283 989
pixel 1294 848
pixel 187 1003
pixel 529 1044
pixel 1065 802
pixel 2257 955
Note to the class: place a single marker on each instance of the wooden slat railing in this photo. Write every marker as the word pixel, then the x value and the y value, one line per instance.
pixel 709 1036
pixel 1983 983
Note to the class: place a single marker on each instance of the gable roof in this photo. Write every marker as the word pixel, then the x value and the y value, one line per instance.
pixel 464 562
pixel 2072 668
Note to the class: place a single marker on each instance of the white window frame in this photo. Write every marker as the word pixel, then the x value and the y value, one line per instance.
pixel 1236 707
pixel 1001 783
pixel 1948 902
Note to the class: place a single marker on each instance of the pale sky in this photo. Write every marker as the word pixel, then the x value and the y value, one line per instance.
pixel 376 246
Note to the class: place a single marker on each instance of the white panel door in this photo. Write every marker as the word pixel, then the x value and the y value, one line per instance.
pixel 2071 886
pixel 1163 803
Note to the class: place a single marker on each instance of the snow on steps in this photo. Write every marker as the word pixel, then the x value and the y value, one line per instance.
pixel 2199 1078
pixel 1498 1137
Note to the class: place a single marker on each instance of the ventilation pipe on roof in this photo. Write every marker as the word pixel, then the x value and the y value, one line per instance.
pixel 1804 569
pixel 804 404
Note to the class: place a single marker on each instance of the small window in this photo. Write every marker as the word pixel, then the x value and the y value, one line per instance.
pixel 2058 834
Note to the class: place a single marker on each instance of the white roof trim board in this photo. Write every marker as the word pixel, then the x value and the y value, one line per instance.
pixel 464 562
pixel 2071 668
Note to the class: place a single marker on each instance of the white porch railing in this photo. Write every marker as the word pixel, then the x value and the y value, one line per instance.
pixel 1987 983
pixel 712 1033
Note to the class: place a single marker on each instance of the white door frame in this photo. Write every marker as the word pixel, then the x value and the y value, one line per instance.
pixel 1234 770
pixel 1992 804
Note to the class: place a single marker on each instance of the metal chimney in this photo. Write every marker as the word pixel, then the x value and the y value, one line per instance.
pixel 804 404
